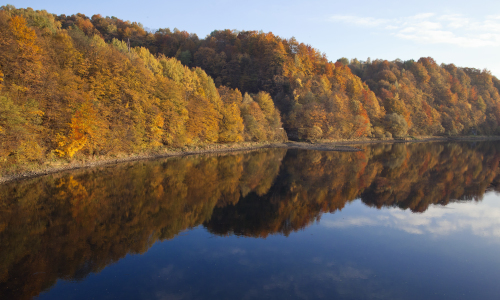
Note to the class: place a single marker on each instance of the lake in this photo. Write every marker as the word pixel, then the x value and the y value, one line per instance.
pixel 395 221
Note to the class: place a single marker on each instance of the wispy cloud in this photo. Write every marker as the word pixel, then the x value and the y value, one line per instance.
pixel 481 220
pixel 430 28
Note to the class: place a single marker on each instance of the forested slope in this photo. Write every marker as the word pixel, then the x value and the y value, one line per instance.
pixel 65 92
pixel 318 98
pixel 435 99
pixel 78 85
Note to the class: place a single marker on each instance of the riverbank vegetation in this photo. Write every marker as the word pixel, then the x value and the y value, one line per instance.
pixel 84 86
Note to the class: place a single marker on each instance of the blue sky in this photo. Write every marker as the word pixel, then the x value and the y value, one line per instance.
pixel 466 33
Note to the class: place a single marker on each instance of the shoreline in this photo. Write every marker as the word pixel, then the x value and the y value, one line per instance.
pixel 323 145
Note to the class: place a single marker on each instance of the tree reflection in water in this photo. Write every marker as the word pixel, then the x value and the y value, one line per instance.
pixel 71 224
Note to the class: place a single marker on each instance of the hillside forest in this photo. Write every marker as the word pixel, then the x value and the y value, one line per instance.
pixel 93 86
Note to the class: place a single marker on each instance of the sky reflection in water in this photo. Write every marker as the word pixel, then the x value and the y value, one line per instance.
pixel 480 219
pixel 358 253
pixel 273 224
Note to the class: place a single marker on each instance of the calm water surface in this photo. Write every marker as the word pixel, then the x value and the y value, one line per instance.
pixel 419 221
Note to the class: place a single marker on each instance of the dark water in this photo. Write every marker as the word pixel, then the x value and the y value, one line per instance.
pixel 418 221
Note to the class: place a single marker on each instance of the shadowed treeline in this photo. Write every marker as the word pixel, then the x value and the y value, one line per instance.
pixel 71 224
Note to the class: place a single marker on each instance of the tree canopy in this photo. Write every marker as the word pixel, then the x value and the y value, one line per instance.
pixel 86 86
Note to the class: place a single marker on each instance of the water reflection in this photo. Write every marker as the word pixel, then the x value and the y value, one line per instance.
pixel 398 175
pixel 68 225
pixel 481 220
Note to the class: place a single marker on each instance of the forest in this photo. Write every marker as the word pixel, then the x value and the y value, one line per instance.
pixel 79 86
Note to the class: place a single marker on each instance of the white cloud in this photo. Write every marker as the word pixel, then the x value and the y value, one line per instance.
pixel 429 28
pixel 482 219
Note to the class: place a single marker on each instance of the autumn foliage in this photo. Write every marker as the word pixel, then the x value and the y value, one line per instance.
pixel 434 99
pixel 67 91
pixel 74 86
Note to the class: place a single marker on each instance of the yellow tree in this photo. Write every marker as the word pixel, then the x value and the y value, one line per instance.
pixel 232 124
pixel 26 66
pixel 85 132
